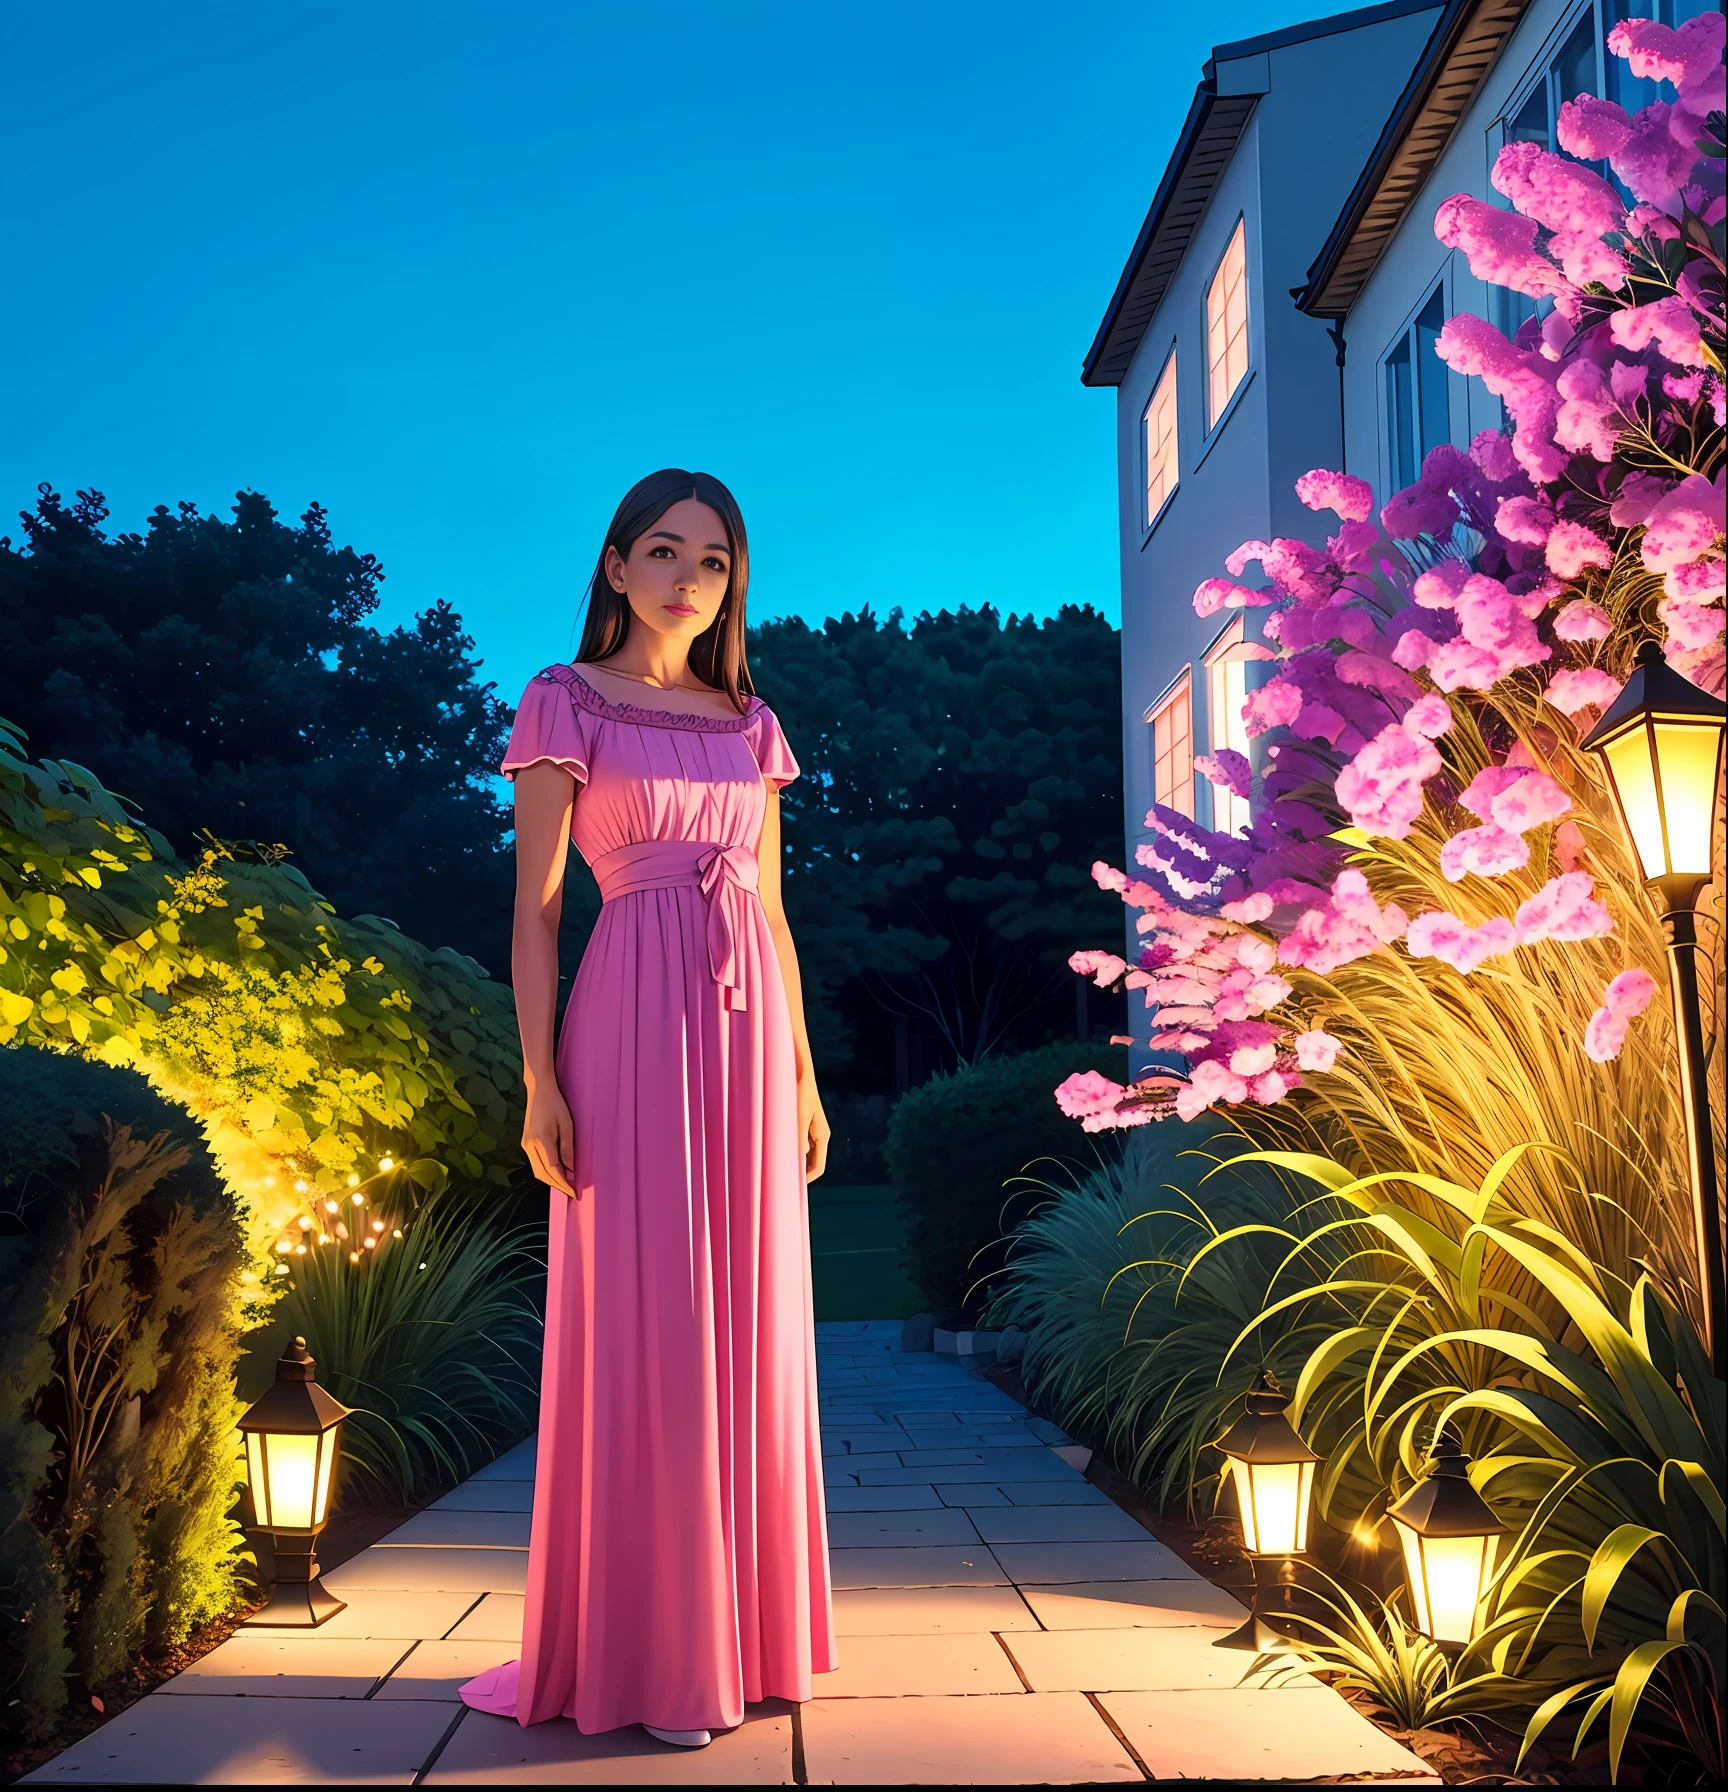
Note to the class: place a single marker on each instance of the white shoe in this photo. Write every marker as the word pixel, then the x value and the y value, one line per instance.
pixel 679 1738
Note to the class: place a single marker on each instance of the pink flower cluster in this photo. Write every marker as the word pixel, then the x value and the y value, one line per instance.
pixel 1503 561
pixel 1622 1002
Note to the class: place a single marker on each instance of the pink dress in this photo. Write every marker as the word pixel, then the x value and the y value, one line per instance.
pixel 678 1561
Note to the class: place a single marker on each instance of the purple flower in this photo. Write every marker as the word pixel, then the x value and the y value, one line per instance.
pixel 1622 1002
pixel 1350 497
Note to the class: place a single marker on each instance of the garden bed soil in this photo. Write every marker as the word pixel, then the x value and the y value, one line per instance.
pixel 1481 1754
pixel 347 1533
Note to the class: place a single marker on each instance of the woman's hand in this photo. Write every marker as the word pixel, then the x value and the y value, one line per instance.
pixel 813 1128
pixel 549 1138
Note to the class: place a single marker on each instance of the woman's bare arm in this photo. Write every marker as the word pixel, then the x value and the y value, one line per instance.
pixel 812 1122
pixel 545 795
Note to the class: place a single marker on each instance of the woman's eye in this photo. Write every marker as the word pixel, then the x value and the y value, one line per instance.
pixel 660 553
pixel 714 565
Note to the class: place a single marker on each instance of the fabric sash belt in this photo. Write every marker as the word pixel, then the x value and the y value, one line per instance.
pixel 724 875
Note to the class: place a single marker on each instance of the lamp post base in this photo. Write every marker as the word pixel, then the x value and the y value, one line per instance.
pixel 304 1604
pixel 1256 1634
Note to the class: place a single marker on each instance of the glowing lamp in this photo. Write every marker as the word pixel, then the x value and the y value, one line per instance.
pixel 1661 742
pixel 1448 1533
pixel 292 1436
pixel 1273 1470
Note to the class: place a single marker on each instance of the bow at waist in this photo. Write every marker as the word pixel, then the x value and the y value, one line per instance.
pixel 724 875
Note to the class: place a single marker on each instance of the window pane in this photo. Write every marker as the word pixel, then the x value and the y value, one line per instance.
pixel 1173 750
pixel 1531 124
pixel 1400 420
pixel 1227 326
pixel 1575 67
pixel 1431 401
pixel 1161 466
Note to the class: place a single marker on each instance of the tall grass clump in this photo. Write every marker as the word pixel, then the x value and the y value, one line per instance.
pixel 435 1344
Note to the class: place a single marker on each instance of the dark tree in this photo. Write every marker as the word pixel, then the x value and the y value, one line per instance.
pixel 223 677
pixel 961 777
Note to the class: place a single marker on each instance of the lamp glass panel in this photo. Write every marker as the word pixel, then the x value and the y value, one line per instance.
pixel 1446 1576
pixel 291 1465
pixel 257 1479
pixel 1273 1499
pixel 1634 776
pixel 326 1464
pixel 1687 757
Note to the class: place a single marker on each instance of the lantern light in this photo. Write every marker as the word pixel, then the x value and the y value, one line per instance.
pixel 1661 742
pixel 359 1200
pixel 353 1181
pixel 292 1437
pixel 1273 1470
pixel 353 1256
pixel 386 1163
pixel 299 1185
pixel 1447 1530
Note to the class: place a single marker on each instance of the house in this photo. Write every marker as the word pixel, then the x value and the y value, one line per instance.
pixel 1494 71
pixel 1226 393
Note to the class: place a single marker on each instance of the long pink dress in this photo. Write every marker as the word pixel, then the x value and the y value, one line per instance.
pixel 678 1561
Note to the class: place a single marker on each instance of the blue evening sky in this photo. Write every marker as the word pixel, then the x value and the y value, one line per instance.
pixel 463 272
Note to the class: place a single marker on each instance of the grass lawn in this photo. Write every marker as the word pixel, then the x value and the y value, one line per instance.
pixel 855 1236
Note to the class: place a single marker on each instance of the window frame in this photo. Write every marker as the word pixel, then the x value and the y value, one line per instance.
pixel 1168 374
pixel 1229 647
pixel 1214 423
pixel 1441 285
pixel 1179 689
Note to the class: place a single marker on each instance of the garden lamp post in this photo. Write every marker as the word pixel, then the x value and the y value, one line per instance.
pixel 292 1435
pixel 1274 1474
pixel 1661 741
pixel 1448 1532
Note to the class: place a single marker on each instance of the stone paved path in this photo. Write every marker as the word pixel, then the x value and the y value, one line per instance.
pixel 1001 1622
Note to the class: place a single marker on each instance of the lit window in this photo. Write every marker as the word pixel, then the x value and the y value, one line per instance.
pixel 1227 326
pixel 1173 747
pixel 1417 417
pixel 1160 422
pixel 1227 690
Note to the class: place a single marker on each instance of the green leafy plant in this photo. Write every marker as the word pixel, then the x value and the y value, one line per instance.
pixel 1586 1399
pixel 436 1345
pixel 1371 1650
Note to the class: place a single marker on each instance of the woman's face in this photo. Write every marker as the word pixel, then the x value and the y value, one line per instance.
pixel 675 578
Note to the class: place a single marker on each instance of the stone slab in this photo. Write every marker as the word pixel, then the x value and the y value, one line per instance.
pixel 273 1664
pixel 1049 1738
pixel 496 1619
pixel 1132 1604
pixel 370 1612
pixel 498 1751
pixel 896 1666
pixel 852 1498
pixel 1139 1660
pixel 513 1465
pixel 928 1611
pixel 437 1670
pixel 1044 1564
pixel 431 1570
pixel 213 1741
pixel 487 1496
pixel 1051 1469
pixel 932 1565
pixel 464 1530
pixel 1061 1524
pixel 1305 1733
pixel 877 1530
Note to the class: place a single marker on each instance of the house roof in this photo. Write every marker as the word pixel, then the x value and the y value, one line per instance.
pixel 1466 43
pixel 1207 140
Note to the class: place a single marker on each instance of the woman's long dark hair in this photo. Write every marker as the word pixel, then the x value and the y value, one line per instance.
pixel 717 654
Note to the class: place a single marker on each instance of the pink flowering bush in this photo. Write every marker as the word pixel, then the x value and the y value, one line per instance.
pixel 1432 670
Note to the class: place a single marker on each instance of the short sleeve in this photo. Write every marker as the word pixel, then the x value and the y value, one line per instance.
pixel 550 726
pixel 768 743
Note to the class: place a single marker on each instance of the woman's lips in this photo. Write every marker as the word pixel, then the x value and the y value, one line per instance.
pixel 681 609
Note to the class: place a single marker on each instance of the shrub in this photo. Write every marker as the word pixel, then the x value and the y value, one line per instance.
pixel 1131 1352
pixel 120 1264
pixel 957 1143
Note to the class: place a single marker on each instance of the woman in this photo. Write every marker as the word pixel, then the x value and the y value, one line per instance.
pixel 678 1562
